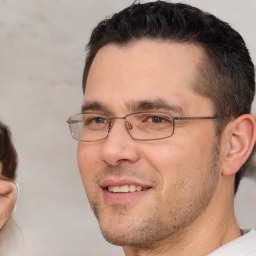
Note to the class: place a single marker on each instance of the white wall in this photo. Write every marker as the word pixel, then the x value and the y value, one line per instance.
pixel 41 60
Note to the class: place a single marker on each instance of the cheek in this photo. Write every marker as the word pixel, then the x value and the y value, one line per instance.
pixel 86 156
pixel 166 158
pixel 175 162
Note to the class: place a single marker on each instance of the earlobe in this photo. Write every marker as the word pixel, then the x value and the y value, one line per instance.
pixel 241 135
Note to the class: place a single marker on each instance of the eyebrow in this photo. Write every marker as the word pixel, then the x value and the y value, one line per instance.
pixel 94 106
pixel 158 104
pixel 135 106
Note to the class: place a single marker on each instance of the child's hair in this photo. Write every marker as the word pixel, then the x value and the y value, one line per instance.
pixel 8 154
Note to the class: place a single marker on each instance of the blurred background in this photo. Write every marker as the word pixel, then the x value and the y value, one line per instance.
pixel 41 61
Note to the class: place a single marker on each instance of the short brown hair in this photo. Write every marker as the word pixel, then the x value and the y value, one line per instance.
pixel 227 74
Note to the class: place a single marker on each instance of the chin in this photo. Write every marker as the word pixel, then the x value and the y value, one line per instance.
pixel 142 236
pixel 123 239
pixel 117 234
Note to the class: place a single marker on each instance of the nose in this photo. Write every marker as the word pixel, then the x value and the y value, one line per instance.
pixel 119 147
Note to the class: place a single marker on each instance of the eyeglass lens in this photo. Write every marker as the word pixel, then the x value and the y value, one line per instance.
pixel 141 126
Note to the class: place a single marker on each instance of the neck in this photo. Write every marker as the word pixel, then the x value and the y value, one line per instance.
pixel 212 229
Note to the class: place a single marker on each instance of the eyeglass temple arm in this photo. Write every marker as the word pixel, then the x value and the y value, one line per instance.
pixel 196 118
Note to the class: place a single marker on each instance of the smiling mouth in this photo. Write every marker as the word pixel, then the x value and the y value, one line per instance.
pixel 125 189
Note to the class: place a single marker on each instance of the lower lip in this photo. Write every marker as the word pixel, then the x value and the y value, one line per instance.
pixel 123 198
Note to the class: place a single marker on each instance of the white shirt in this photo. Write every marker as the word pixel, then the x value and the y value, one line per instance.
pixel 242 246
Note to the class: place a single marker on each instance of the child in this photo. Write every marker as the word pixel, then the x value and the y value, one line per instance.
pixel 8 191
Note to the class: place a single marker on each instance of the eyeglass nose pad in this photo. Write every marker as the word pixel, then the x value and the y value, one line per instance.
pixel 109 127
pixel 128 125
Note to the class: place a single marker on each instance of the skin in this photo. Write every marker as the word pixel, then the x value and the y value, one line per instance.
pixel 8 197
pixel 188 208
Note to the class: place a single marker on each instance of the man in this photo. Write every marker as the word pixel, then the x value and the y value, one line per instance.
pixel 166 130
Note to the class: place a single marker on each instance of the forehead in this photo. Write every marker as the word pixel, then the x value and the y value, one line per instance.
pixel 143 70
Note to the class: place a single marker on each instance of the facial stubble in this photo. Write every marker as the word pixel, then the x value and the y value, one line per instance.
pixel 145 230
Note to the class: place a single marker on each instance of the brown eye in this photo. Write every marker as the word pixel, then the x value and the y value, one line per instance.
pixel 157 119
pixel 96 120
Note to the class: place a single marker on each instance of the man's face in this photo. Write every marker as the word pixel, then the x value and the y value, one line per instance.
pixel 177 176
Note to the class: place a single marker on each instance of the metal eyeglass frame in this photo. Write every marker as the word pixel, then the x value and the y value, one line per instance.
pixel 128 125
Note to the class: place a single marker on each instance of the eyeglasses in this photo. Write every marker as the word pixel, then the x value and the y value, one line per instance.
pixel 91 126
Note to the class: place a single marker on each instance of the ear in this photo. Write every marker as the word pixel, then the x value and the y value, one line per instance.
pixel 8 197
pixel 239 139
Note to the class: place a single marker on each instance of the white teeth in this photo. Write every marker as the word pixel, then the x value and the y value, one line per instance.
pixel 132 188
pixel 125 188
pixel 138 188
pixel 115 189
